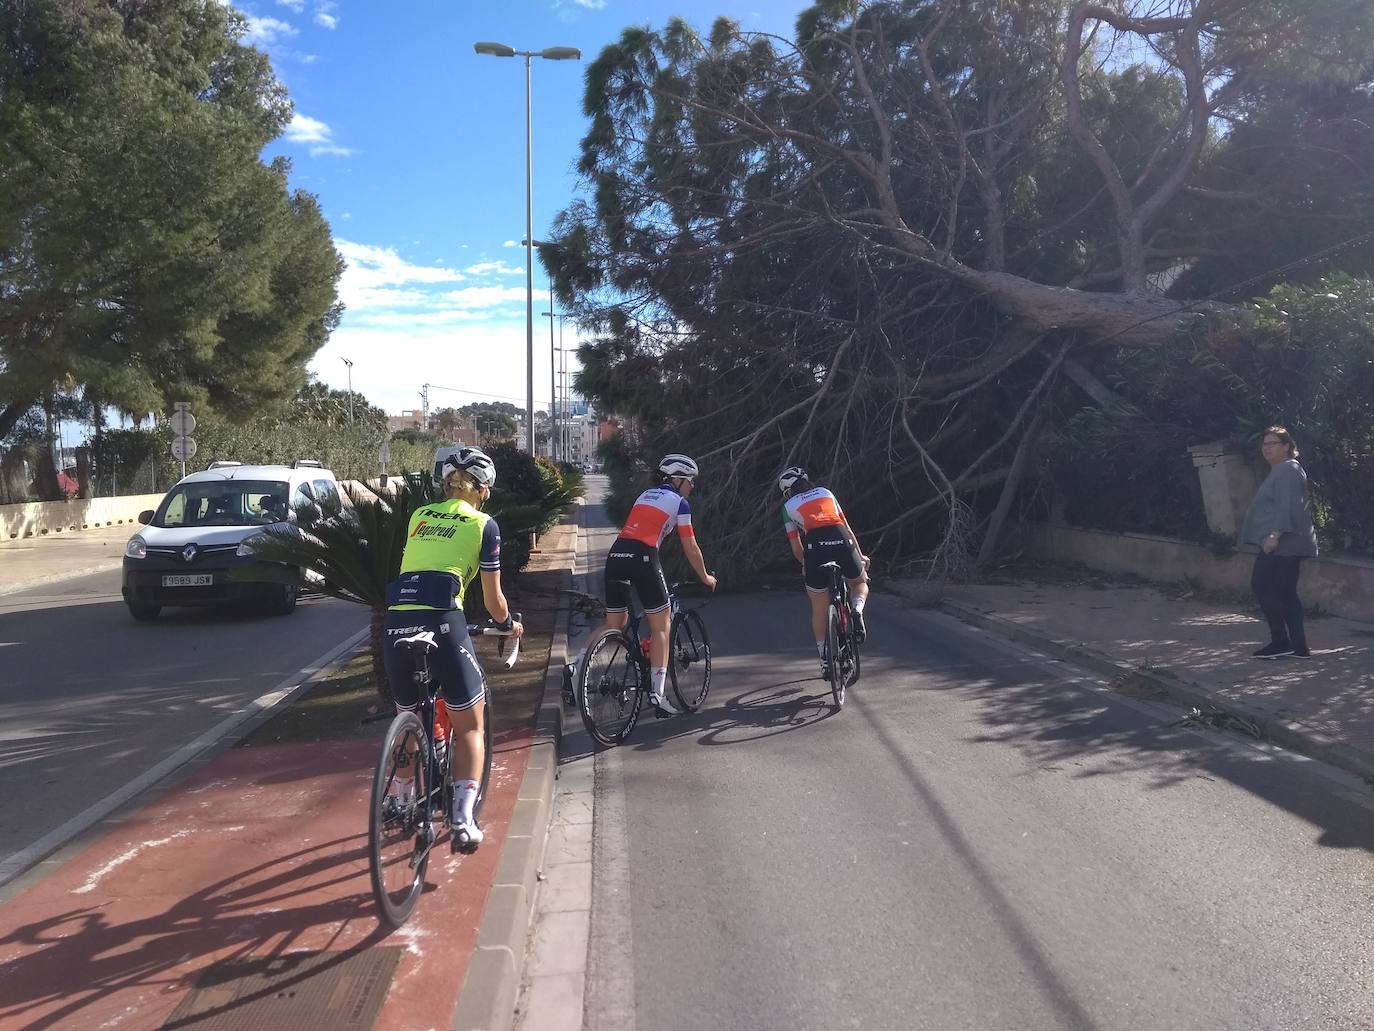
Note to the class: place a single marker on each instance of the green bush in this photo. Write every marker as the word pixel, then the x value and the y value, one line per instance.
pixel 1303 358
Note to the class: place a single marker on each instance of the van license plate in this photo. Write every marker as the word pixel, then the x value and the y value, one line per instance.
pixel 194 580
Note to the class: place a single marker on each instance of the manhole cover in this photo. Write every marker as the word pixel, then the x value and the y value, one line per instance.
pixel 331 991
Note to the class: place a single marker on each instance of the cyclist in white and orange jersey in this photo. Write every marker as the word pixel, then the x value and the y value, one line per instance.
pixel 819 533
pixel 633 563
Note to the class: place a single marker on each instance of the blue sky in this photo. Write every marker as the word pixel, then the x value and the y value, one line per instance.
pixel 415 146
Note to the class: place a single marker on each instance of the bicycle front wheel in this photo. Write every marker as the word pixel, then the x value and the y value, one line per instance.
pixel 608 690
pixel 397 850
pixel 834 660
pixel 689 660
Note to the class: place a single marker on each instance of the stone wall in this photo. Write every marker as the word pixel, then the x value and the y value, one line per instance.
pixel 1342 586
pixel 37 518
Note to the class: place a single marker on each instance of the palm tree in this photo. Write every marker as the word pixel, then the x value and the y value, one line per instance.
pixel 357 551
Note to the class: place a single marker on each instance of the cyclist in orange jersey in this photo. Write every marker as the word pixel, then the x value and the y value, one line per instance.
pixel 819 533
pixel 633 562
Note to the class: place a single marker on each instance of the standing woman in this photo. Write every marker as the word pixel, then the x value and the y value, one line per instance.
pixel 1279 524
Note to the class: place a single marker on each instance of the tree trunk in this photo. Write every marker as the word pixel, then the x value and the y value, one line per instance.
pixel 1009 488
pixel 377 643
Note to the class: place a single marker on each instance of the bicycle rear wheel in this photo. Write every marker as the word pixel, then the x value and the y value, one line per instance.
pixel 835 661
pixel 608 691
pixel 689 660
pixel 397 851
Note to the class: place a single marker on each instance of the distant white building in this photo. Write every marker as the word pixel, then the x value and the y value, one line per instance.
pixel 582 438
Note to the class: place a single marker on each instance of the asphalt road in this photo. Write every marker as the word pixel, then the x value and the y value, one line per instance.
pixel 978 840
pixel 90 700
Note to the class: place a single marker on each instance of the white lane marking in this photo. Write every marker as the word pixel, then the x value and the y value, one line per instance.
pixel 97 876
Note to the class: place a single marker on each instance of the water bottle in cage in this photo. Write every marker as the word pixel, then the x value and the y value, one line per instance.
pixel 442 727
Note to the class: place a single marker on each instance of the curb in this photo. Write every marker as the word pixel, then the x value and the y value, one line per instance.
pixel 224 734
pixel 491 987
pixel 1287 733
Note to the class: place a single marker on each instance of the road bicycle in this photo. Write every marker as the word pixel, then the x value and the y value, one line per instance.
pixel 613 680
pixel 412 781
pixel 841 647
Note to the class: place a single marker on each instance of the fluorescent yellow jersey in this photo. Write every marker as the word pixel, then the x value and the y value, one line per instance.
pixel 451 537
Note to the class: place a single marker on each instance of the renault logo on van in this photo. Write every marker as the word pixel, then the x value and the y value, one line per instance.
pixel 189 552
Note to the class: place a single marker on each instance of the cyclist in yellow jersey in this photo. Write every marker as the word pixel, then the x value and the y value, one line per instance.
pixel 449 543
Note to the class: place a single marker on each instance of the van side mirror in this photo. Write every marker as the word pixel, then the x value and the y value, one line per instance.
pixel 146 516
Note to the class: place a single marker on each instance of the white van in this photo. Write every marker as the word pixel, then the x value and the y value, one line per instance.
pixel 187 546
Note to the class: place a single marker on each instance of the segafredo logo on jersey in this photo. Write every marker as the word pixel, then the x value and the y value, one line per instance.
pixel 423 529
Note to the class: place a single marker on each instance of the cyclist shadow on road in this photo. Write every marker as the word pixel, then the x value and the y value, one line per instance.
pixel 760 712
pixel 79 957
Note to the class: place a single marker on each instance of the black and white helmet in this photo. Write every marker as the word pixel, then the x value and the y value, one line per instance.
pixel 790 476
pixel 473 461
pixel 677 465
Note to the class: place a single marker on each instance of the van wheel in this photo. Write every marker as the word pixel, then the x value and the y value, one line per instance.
pixel 283 600
pixel 143 613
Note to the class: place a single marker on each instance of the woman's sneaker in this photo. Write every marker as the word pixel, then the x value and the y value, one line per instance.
pixel 465 838
pixel 1273 650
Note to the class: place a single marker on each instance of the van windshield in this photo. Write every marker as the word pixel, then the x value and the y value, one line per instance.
pixel 223 503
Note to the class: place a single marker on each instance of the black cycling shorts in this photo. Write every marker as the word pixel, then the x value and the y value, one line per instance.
pixel 452 664
pixel 828 544
pixel 634 564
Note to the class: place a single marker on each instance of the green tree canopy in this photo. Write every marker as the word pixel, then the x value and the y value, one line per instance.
pixel 881 247
pixel 146 251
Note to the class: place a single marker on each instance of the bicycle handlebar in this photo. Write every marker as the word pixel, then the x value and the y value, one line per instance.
pixel 493 629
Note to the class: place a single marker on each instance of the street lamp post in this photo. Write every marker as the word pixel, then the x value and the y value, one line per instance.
pixel 554 448
pixel 350 390
pixel 549 54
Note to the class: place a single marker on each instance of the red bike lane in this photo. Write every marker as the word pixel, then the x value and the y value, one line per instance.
pixel 263 853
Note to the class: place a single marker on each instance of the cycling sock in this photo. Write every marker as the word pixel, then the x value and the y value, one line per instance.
pixel 464 799
pixel 820 649
pixel 858 603
pixel 660 680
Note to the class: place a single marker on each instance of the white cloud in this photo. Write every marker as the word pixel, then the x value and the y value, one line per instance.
pixel 327 20
pixel 591 5
pixel 408 322
pixel 309 58
pixel 267 31
pixel 510 243
pixel 296 5
pixel 304 129
pixel 487 268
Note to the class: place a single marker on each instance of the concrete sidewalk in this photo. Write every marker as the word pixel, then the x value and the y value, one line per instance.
pixel 28 561
pixel 1192 652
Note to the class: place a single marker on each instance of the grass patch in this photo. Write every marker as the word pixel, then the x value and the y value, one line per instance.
pixel 334 709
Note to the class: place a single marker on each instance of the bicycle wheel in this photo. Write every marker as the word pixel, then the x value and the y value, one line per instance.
pixel 608 692
pixel 689 660
pixel 835 659
pixel 397 851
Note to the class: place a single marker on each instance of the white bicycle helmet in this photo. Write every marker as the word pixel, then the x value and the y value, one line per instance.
pixel 677 465
pixel 473 461
pixel 790 476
